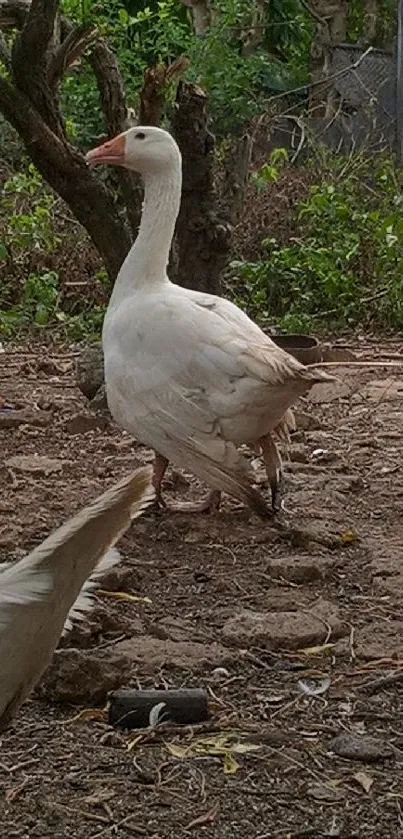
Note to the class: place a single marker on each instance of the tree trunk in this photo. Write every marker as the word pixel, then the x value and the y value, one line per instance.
pixel 201 14
pixel 330 28
pixel 203 234
pixel 64 168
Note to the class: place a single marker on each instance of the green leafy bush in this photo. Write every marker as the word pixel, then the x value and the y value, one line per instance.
pixel 345 266
pixel 31 294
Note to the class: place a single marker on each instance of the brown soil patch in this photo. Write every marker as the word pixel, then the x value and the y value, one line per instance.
pixel 232 603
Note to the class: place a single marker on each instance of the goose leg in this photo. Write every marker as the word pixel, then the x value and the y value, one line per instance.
pixel 272 462
pixel 160 467
pixel 210 504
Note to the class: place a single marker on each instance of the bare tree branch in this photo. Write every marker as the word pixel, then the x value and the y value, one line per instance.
pixel 110 85
pixel 201 15
pixel 70 50
pixel 153 91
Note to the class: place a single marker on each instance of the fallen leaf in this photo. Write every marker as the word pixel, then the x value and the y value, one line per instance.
pixel 348 537
pixel 230 764
pixel 224 745
pixel 364 780
pixel 136 740
pixel 123 595
pixel 87 714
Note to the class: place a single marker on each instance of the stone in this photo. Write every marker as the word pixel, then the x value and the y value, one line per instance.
pixel 283 630
pixel 84 675
pixel 25 416
pixel 82 423
pixel 37 464
pixel 149 654
pixel 383 390
pixel 122 578
pixel 298 453
pixel 334 353
pixel 380 639
pixel 306 422
pixel 360 747
pixel 90 370
pixel 323 393
pixel 100 402
pixel 300 569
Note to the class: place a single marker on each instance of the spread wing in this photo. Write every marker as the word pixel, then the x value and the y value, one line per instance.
pixel 43 592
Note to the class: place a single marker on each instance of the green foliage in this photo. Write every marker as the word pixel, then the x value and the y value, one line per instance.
pixel 346 266
pixel 144 33
pixel 270 171
pixel 31 299
pixel 27 206
pixel 39 310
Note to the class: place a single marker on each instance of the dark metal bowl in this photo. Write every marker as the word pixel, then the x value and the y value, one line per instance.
pixel 305 348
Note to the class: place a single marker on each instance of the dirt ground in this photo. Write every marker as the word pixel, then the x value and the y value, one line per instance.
pixel 294 629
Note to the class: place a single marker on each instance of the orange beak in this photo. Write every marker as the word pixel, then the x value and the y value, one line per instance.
pixel 111 152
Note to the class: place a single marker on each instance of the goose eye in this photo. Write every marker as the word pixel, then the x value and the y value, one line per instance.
pixel 140 135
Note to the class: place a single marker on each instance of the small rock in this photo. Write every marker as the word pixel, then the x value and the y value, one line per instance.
pixel 149 654
pixel 25 416
pixel 323 393
pixel 100 402
pixel 283 630
pixel 122 579
pixel 330 353
pixel 301 569
pixel 298 454
pixel 83 675
pixel 379 639
pixel 34 463
pixel 173 628
pixel 325 792
pixel 306 422
pixel 383 390
pixel 81 423
pixel 360 747
pixel 90 370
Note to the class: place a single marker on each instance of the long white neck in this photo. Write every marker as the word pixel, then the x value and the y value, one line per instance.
pixel 146 262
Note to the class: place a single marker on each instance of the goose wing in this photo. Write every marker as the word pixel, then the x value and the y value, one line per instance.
pixel 43 592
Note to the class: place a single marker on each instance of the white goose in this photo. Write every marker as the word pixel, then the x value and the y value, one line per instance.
pixel 187 373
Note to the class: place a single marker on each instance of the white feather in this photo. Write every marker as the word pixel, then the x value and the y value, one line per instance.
pixel 85 600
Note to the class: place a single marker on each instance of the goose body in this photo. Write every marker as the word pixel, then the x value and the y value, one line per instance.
pixel 50 588
pixel 189 374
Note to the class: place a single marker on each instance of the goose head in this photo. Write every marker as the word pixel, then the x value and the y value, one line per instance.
pixel 142 149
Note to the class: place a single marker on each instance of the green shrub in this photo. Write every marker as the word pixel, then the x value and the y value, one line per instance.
pixel 345 266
